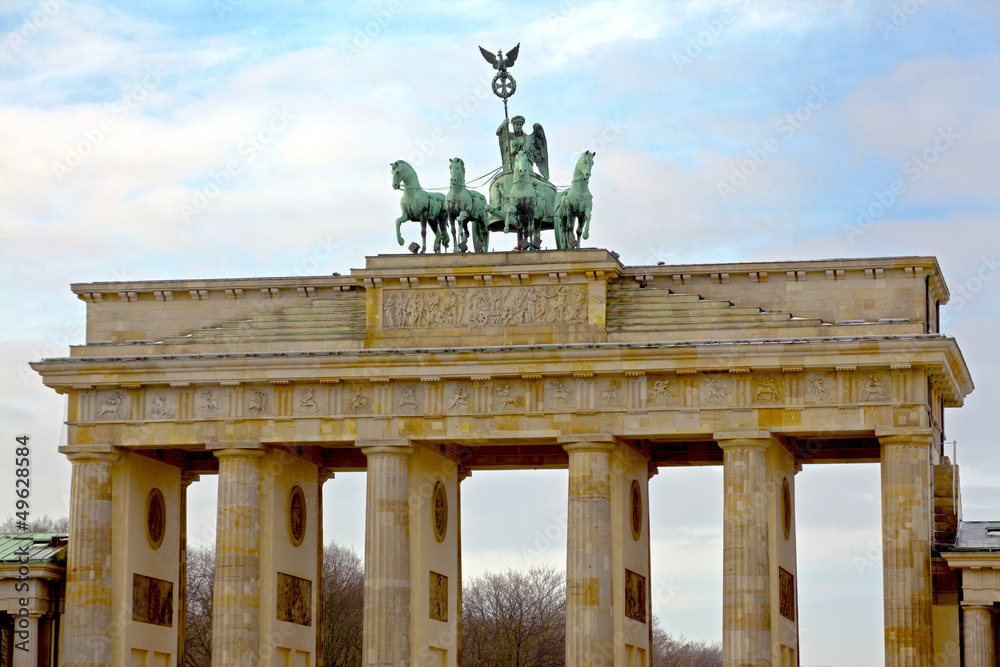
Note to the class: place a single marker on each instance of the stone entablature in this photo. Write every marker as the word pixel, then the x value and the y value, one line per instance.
pixel 515 298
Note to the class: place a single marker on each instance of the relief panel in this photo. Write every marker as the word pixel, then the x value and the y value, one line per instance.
pixel 111 405
pixel 258 401
pixel 716 390
pixel 152 600
pixel 309 400
pixel 407 398
pixel 458 397
pixel 484 307
pixel 767 389
pixel 357 399
pixel 820 387
pixel 560 394
pixel 508 396
pixel 161 404
pixel 294 599
pixel 665 392
pixel 874 387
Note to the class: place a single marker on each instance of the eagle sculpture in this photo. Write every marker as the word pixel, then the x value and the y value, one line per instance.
pixel 499 61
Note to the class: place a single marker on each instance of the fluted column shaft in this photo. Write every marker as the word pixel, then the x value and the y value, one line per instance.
pixel 907 513
pixel 387 557
pixel 589 622
pixel 979 634
pixel 236 597
pixel 87 621
pixel 746 606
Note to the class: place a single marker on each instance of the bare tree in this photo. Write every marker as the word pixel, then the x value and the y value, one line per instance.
pixel 343 606
pixel 515 618
pixel 669 652
pixel 43 524
pixel 198 629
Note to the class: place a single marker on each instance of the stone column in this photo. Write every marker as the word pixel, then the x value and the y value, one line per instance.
pixel 589 622
pixel 180 609
pixel 387 554
pixel 236 598
pixel 87 622
pixel 323 475
pixel 907 513
pixel 30 626
pixel 746 579
pixel 980 650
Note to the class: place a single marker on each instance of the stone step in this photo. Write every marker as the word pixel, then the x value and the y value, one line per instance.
pixel 733 323
pixel 251 336
pixel 721 316
pixel 682 309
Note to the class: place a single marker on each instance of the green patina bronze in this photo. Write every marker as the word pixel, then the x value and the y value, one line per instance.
pixel 427 208
pixel 520 199
pixel 575 205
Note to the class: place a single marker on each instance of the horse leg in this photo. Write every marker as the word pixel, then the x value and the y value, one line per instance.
pixel 423 235
pixel 586 222
pixel 399 221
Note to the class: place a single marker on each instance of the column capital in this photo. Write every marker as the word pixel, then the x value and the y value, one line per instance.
pixel 385 446
pixel 90 453
pixel 978 606
pixel 750 439
pixel 187 477
pixel 904 436
pixel 238 453
pixel 588 442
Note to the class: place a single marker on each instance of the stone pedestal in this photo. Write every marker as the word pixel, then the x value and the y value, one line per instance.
pixel 236 598
pixel 746 578
pixel 589 625
pixel 86 637
pixel 907 513
pixel 980 649
pixel 387 554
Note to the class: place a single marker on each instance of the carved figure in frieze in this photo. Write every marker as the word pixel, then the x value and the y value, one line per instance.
pixel 614 394
pixel 717 390
pixel 662 394
pixel 210 406
pixel 111 405
pixel 449 310
pixel 159 407
pixel 506 399
pixel 561 394
pixel 407 399
pixel 388 310
pixel 359 402
pixel 459 400
pixel 817 392
pixel 767 391
pixel 307 403
pixel 872 388
pixel 257 402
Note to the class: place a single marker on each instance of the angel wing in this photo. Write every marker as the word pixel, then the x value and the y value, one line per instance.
pixel 537 148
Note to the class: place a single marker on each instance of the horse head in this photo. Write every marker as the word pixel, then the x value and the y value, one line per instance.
pixel 584 165
pixel 403 173
pixel 457 167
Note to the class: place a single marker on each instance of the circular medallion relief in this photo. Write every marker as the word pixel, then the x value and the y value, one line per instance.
pixel 440 506
pixel 296 515
pixel 156 518
pixel 786 508
pixel 635 510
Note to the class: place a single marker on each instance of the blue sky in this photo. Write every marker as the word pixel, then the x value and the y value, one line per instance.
pixel 115 116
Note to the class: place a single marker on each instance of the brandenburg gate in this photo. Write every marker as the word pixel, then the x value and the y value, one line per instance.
pixel 421 369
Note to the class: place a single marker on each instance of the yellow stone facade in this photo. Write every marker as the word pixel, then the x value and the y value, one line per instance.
pixel 420 369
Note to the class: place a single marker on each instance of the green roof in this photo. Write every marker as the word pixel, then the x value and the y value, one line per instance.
pixel 42 547
pixel 978 536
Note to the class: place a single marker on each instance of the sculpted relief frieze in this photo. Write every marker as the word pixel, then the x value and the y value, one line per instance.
pixel 484 307
pixel 744 391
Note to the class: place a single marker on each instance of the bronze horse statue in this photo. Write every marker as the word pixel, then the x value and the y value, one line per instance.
pixel 427 208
